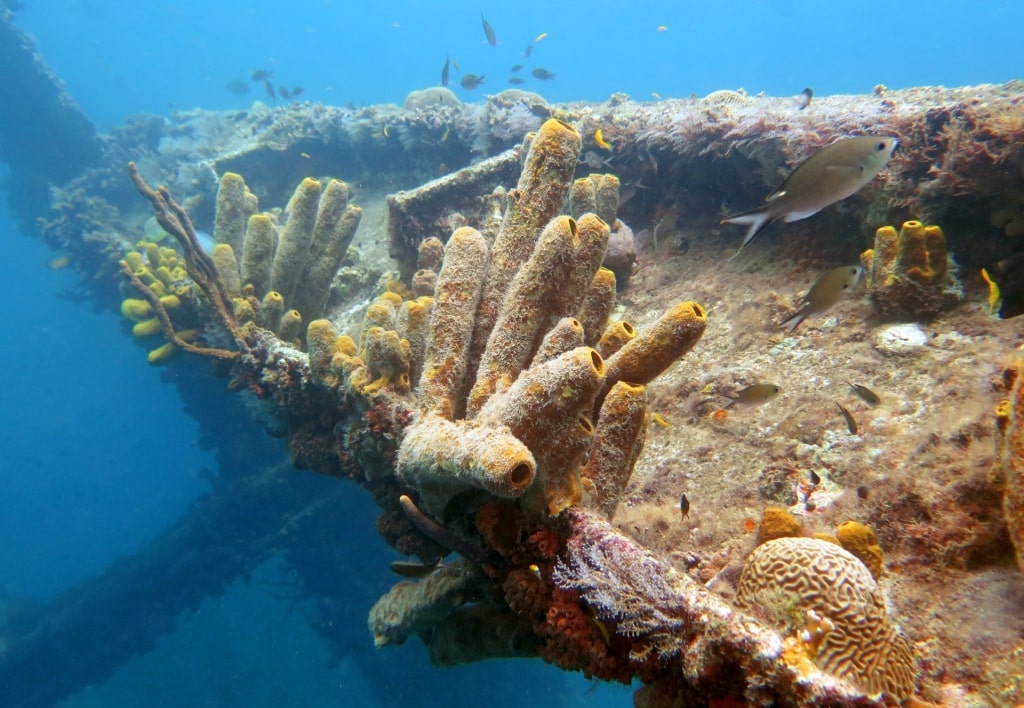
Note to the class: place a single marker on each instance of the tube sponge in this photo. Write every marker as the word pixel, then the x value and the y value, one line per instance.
pixel 618 442
pixel 451 323
pixel 436 452
pixel 336 224
pixel 597 306
pixel 258 252
pixel 235 204
pixel 227 267
pixel 658 346
pixel 538 197
pixel 295 239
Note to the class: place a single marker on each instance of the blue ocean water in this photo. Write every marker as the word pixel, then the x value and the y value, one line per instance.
pixel 87 424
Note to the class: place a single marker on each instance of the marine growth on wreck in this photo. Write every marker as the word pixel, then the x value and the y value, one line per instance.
pixel 541 374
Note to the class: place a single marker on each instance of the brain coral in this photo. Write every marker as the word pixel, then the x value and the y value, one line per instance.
pixel 865 648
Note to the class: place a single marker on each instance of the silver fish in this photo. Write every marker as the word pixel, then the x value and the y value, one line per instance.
pixel 826 177
pixel 825 293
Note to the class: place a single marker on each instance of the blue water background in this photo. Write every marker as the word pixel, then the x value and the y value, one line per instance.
pixel 87 424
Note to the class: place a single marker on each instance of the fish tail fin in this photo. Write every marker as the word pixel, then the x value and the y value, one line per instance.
pixel 795 319
pixel 757 219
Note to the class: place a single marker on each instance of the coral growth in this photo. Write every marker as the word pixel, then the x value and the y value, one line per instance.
pixel 909 274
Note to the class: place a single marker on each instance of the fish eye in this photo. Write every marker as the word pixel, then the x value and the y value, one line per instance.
pixel 880 146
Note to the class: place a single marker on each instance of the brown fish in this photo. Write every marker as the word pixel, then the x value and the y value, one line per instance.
pixel 830 175
pixel 444 71
pixel 865 394
pixel 269 88
pixel 851 424
pixel 516 81
pixel 471 81
pixel 542 74
pixel 261 75
pixel 412 569
pixel 753 395
pixel 492 39
pixel 825 293
pixel 237 87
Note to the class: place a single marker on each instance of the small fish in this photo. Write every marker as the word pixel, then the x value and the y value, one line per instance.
pixel 993 291
pixel 595 161
pixel 492 39
pixel 601 142
pixel 528 50
pixel 517 68
pixel 535 569
pixel 516 81
pixel 804 99
pixel 1009 276
pixel 412 569
pixel 540 37
pixel 444 71
pixel 851 424
pixel 283 92
pixel 269 88
pixel 684 506
pixel 58 263
pixel 656 95
pixel 865 394
pixel 237 87
pixel 830 175
pixel 261 75
pixel 825 293
pixel 297 91
pixel 657 418
pixel 753 395
pixel 471 81
pixel 662 28
pixel 542 74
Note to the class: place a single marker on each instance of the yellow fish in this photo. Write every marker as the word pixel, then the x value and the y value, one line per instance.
pixel 540 37
pixel 993 291
pixel 656 95
pixel 660 421
pixel 58 263
pixel 662 28
pixel 601 142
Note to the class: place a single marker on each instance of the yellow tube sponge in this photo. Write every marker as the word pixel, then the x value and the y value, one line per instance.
pixel 606 196
pixel 290 327
pixel 615 337
pixel 597 306
pixel 582 198
pixel 860 540
pixel 657 347
pixel 136 309
pixel 591 244
pixel 336 224
pixel 322 345
pixel 270 311
pixel 908 274
pixel 451 323
pixel 439 453
pixel 538 197
pixel 258 252
pixel 413 325
pixel 162 353
pixel 386 356
pixel 227 267
pixel 619 438
pixel 566 335
pixel 525 314
pixel 235 204
pixel 295 239
pixel 543 409
pixel 147 328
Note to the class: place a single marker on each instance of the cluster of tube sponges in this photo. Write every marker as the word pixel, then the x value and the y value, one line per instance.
pixel 910 274
pixel 525 389
pixel 162 270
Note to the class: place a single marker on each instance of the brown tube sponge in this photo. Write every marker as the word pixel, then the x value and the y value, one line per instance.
pixel 657 347
pixel 336 225
pixel 235 204
pixel 615 337
pixel 451 323
pixel 564 336
pixel 620 432
pixel 538 198
pixel 258 252
pixel 439 453
pixel 597 306
pixel 227 267
pixel 295 239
